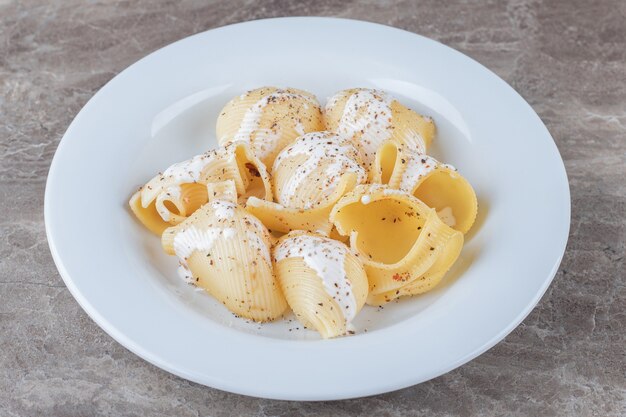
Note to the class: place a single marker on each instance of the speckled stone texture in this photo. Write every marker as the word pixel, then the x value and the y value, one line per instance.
pixel 567 58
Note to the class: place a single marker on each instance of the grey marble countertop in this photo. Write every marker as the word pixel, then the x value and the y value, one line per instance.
pixel 567 58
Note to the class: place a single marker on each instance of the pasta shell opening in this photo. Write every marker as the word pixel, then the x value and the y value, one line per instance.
pixel 386 228
pixel 385 164
pixel 438 185
pixel 452 196
pixel 254 175
pixel 398 237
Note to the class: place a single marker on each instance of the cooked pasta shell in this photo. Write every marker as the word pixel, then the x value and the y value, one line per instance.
pixel 324 283
pixel 226 251
pixel 269 119
pixel 309 176
pixel 399 238
pixel 369 117
pixel 176 193
pixel 438 185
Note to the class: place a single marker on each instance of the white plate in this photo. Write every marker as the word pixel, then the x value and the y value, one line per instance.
pixel 163 109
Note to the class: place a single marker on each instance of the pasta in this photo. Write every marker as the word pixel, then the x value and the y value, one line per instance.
pixel 226 251
pixel 399 238
pixel 324 283
pixel 320 213
pixel 309 176
pixel 269 119
pixel 438 185
pixel 173 195
pixel 369 117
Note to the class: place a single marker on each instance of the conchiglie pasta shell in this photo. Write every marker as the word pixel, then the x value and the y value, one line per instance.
pixel 306 294
pixel 181 189
pixel 398 237
pixel 285 219
pixel 227 253
pixel 438 185
pixel 307 173
pixel 369 117
pixel 269 119
pixel 175 204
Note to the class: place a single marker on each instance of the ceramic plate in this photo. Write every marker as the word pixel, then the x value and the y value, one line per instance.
pixel 163 109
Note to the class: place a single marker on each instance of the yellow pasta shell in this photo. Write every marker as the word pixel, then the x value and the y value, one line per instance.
pixel 324 283
pixel 269 119
pixel 438 185
pixel 309 176
pixel 176 193
pixel 399 238
pixel 369 117
pixel 285 219
pixel 226 251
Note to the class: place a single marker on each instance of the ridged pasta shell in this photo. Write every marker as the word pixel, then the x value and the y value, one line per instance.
pixel 324 283
pixel 438 185
pixel 226 251
pixel 269 119
pixel 400 239
pixel 173 195
pixel 309 176
pixel 370 117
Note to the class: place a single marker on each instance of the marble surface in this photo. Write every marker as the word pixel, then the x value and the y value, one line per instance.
pixel 567 58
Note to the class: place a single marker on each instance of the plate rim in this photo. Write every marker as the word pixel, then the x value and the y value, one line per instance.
pixel 262 392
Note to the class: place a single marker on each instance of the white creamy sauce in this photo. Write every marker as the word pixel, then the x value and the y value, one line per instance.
pixel 192 239
pixel 223 210
pixel 392 191
pixel 190 170
pixel 366 115
pixel 336 154
pixel 332 101
pixel 264 139
pixel 447 216
pixel 169 194
pixel 299 127
pixel 417 167
pixel 185 172
pixel 411 136
pixel 327 258
pixel 366 199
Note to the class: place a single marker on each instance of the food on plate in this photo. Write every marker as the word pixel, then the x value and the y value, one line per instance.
pixel 269 118
pixel 308 178
pixel 324 282
pixel 174 194
pixel 400 240
pixel 369 117
pixel 438 185
pixel 317 213
pixel 226 251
